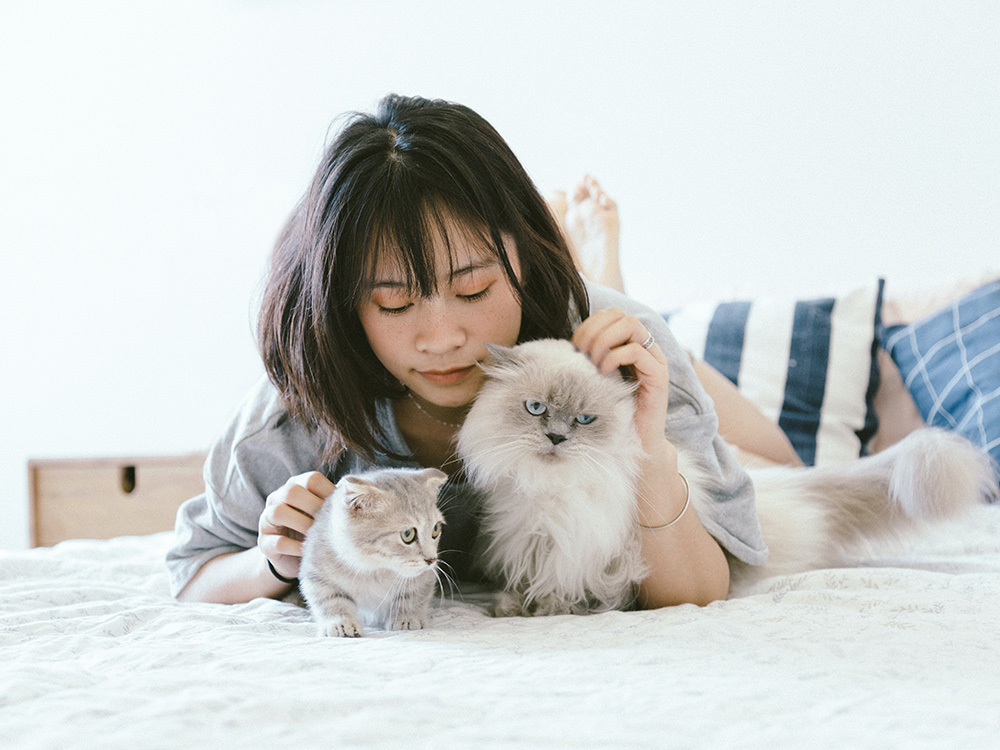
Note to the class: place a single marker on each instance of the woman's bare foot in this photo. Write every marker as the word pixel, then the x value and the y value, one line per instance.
pixel 589 219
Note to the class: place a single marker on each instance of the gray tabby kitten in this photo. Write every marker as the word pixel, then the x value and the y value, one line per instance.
pixel 552 445
pixel 370 557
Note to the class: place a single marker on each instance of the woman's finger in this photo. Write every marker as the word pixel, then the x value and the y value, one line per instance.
pixel 594 329
pixel 305 502
pixel 610 331
pixel 315 483
pixel 285 516
pixel 283 545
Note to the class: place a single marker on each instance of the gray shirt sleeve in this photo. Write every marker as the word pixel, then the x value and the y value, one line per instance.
pixel 731 516
pixel 260 449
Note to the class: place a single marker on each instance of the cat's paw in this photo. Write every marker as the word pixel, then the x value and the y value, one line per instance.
pixel 409 622
pixel 340 626
pixel 546 606
pixel 509 604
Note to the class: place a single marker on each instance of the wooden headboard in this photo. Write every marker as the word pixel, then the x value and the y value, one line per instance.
pixel 99 498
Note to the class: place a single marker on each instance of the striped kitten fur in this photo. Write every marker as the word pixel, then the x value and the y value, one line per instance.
pixel 370 558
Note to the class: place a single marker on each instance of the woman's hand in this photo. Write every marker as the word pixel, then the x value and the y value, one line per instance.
pixel 287 516
pixel 613 339
pixel 685 563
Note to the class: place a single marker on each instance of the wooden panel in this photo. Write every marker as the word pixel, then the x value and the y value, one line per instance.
pixel 99 498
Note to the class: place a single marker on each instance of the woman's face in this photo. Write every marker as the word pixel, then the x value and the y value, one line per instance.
pixel 432 344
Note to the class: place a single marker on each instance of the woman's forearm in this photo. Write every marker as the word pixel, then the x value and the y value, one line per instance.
pixel 233 578
pixel 686 565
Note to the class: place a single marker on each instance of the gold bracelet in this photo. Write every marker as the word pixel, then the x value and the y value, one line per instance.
pixel 687 502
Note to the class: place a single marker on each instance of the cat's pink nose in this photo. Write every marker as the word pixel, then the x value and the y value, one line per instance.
pixel 430 560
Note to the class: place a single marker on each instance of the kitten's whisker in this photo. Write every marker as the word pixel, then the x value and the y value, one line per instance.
pixel 450 578
pixel 453 586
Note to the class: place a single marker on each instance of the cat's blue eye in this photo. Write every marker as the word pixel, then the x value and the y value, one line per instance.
pixel 408 536
pixel 437 530
pixel 536 408
pixel 585 418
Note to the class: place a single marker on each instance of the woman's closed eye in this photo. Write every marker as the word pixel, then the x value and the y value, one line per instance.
pixel 391 301
pixel 474 296
pixel 394 310
pixel 390 306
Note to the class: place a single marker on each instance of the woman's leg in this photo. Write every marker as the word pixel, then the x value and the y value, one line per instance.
pixel 742 424
pixel 589 218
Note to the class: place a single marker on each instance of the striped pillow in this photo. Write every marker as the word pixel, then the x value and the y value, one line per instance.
pixel 808 365
pixel 950 362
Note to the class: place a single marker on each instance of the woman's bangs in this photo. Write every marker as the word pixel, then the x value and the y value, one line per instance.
pixel 396 247
pixel 456 228
pixel 402 247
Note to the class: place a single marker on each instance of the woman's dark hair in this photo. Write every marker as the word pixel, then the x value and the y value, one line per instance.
pixel 390 182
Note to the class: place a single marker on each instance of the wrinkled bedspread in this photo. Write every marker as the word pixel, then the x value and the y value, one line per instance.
pixel 901 651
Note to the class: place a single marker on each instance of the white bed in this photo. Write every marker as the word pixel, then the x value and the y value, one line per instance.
pixel 899 652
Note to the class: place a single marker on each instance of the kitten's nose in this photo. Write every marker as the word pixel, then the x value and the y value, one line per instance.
pixel 430 560
pixel 555 437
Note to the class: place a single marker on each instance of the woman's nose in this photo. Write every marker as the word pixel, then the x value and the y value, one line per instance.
pixel 439 330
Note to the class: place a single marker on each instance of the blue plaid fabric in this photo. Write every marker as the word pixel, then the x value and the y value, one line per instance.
pixel 950 362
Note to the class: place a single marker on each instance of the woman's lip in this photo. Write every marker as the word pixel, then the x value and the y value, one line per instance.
pixel 445 377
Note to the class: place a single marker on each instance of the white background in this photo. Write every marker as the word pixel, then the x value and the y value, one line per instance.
pixel 150 152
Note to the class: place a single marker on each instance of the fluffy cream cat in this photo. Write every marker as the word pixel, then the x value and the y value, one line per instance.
pixel 552 445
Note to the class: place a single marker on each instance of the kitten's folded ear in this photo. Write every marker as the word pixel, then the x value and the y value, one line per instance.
pixel 433 477
pixel 359 492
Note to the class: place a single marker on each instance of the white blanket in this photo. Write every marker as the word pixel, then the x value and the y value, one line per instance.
pixel 899 652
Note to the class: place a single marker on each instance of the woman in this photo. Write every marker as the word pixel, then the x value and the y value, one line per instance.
pixel 421 239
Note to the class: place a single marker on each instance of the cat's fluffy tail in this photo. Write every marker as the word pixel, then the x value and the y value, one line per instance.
pixel 814 518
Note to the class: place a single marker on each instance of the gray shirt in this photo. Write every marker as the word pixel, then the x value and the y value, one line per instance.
pixel 262 447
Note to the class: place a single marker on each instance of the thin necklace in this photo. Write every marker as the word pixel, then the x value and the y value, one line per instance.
pixel 422 410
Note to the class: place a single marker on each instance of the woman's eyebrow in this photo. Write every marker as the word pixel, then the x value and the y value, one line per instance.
pixel 389 284
pixel 472 267
pixel 466 270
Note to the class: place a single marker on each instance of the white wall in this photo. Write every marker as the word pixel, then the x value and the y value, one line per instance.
pixel 150 151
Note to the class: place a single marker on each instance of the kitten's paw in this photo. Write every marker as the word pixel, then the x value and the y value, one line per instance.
pixel 410 622
pixel 341 626
pixel 509 605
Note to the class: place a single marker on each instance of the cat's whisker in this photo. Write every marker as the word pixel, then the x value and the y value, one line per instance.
pixel 602 466
pixel 444 567
pixel 453 586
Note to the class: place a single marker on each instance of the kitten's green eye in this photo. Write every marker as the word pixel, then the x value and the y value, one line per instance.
pixel 536 408
pixel 408 536
pixel 585 418
pixel 437 530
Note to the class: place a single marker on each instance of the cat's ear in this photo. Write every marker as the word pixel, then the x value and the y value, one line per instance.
pixel 499 356
pixel 359 493
pixel 433 477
